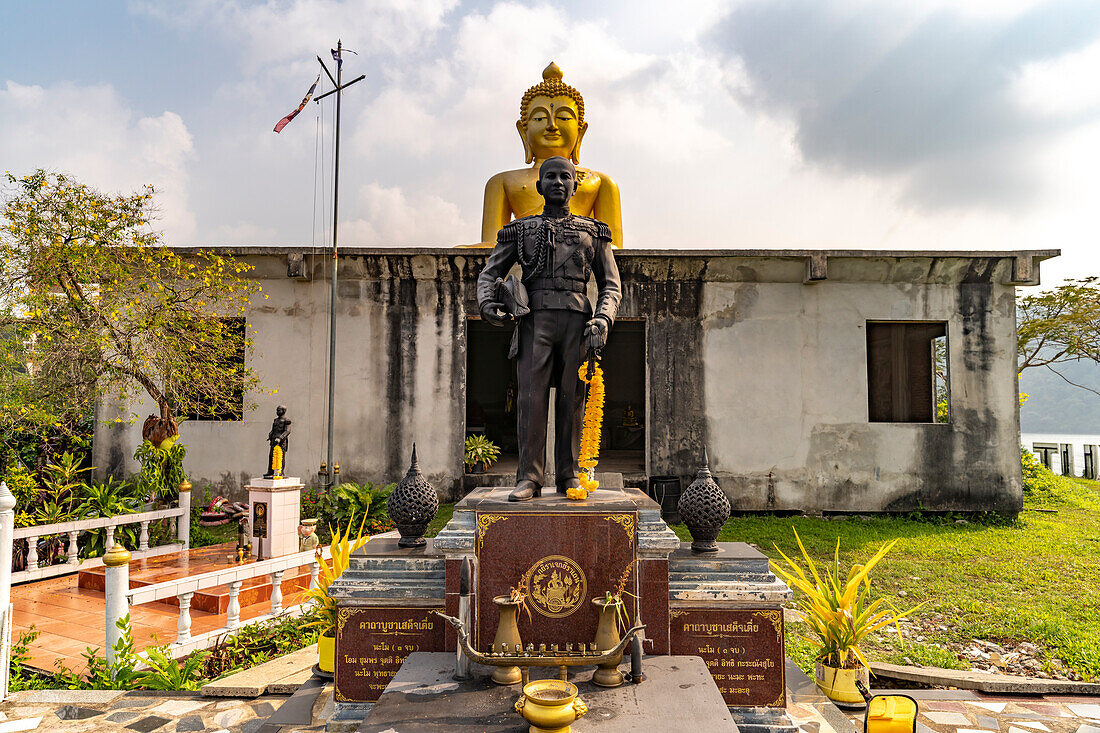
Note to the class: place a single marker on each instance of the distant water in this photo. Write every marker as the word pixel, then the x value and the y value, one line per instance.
pixel 1077 440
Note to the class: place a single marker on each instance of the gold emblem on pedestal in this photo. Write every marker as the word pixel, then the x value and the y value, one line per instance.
pixel 557 586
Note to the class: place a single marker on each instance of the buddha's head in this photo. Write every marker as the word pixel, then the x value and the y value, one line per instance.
pixel 551 118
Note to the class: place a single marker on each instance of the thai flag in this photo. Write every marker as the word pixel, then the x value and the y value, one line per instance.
pixel 309 95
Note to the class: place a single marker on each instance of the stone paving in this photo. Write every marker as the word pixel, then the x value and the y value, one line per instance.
pixel 104 711
pixel 962 711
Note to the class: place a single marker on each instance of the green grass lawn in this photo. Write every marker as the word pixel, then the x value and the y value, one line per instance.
pixel 1034 579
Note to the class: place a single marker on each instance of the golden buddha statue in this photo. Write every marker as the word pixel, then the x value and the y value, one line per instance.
pixel 551 123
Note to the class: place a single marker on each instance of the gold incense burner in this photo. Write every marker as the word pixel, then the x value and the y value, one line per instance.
pixel 585 655
pixel 550 706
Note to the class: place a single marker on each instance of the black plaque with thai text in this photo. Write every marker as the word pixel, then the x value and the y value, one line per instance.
pixel 259 519
pixel 743 649
pixel 373 642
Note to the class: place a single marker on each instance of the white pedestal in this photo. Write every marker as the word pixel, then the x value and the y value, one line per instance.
pixel 278 516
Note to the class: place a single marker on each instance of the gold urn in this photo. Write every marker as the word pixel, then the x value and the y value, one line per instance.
pixel 550 706
pixel 507 638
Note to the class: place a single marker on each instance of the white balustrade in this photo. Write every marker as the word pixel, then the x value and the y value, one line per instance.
pixel 233 612
pixel 74 528
pixel 277 592
pixel 143 538
pixel 183 626
pixel 232 577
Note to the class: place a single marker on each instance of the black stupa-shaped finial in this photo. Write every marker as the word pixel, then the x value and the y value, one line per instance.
pixel 412 505
pixel 704 508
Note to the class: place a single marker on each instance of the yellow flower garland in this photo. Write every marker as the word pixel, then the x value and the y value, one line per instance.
pixel 590 435
pixel 277 461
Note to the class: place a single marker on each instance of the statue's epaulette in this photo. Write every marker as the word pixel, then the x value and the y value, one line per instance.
pixel 594 227
pixel 513 231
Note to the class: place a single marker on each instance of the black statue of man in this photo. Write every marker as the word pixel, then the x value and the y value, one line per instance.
pixel 557 252
pixel 279 437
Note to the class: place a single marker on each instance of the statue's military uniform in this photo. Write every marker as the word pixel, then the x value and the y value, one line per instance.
pixel 557 257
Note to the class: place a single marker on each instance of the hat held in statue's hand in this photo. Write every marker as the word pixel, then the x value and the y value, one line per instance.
pixel 512 294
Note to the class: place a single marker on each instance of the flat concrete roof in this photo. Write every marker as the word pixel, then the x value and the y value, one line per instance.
pixel 243 250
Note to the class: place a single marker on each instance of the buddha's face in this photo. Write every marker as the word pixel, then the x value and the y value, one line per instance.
pixel 553 128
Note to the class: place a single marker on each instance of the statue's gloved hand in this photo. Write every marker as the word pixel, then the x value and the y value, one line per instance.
pixel 595 334
pixel 494 313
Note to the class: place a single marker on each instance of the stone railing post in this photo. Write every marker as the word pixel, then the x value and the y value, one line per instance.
pixel 7 531
pixel 183 626
pixel 117 585
pixel 277 592
pixel 314 571
pixel 143 538
pixel 74 548
pixel 32 553
pixel 184 524
pixel 233 611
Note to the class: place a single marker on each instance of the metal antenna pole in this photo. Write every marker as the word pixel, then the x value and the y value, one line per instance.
pixel 331 476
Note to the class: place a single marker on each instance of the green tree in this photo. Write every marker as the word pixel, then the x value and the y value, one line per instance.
pixel 1059 326
pixel 92 304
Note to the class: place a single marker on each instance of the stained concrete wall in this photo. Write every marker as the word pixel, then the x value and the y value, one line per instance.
pixel 759 355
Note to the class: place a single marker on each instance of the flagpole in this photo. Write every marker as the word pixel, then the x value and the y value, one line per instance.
pixel 333 477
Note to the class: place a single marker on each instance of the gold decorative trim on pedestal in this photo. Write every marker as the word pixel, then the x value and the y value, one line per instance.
pixel 775 617
pixel 484 521
pixel 342 616
pixel 627 523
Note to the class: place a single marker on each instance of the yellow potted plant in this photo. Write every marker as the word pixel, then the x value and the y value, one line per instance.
pixel 840 615
pixel 341 549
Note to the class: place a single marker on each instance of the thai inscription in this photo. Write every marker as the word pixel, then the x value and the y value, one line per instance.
pixel 743 649
pixel 373 643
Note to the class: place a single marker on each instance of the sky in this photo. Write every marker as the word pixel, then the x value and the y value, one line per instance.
pixel 923 124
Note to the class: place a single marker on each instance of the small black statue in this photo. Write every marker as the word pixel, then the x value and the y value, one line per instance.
pixel 558 252
pixel 244 541
pixel 279 438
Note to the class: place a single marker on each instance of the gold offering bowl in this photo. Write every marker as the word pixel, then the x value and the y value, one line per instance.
pixel 550 706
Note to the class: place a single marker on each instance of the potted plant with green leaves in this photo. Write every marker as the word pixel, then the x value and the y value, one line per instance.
pixel 342 547
pixel 480 453
pixel 840 614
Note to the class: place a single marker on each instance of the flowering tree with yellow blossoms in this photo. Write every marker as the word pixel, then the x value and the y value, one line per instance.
pixel 92 304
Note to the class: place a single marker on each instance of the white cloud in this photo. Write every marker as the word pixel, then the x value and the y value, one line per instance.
pixel 389 217
pixel 1061 86
pixel 672 119
pixel 90 133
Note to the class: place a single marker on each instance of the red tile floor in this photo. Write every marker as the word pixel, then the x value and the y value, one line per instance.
pixel 70 618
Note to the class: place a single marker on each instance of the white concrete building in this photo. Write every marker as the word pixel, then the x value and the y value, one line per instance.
pixel 811 376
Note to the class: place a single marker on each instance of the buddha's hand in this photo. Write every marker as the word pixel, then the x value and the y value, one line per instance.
pixel 595 334
pixel 494 313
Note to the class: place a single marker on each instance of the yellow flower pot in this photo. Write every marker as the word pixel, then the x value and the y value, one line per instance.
pixel 326 653
pixel 839 685
pixel 550 706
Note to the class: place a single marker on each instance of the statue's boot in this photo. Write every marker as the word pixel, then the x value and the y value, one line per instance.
pixel 572 483
pixel 525 490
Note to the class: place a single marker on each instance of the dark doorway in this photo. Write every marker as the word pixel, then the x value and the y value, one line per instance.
pixel 491 389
